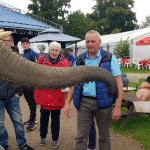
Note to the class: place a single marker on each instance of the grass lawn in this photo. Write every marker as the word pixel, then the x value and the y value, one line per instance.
pixel 133 70
pixel 138 127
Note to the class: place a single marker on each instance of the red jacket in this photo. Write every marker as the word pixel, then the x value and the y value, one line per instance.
pixel 51 99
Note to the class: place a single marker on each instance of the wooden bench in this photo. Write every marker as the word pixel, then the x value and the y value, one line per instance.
pixel 127 102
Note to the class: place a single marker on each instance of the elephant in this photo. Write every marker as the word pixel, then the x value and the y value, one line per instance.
pixel 21 72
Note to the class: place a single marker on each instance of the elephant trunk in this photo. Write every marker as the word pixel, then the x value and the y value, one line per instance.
pixel 17 70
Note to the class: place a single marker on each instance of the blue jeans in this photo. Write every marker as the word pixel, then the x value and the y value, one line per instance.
pixel 12 107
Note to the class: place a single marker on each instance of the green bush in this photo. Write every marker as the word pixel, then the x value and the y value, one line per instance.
pixel 122 49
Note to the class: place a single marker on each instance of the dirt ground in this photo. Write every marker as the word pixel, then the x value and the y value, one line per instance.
pixel 141 75
pixel 67 134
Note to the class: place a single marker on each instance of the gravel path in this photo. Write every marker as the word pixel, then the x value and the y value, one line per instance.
pixel 141 75
pixel 67 134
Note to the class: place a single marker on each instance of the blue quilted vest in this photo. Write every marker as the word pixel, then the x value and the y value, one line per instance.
pixel 103 100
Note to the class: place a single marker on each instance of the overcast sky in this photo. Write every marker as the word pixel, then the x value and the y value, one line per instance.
pixel 141 8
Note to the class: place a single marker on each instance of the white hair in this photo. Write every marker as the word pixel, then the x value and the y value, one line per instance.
pixel 54 45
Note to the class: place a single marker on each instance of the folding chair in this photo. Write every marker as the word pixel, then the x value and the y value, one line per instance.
pixel 128 63
pixel 137 64
pixel 148 66
pixel 120 61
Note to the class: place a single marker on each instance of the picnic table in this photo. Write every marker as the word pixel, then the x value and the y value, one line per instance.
pixel 127 102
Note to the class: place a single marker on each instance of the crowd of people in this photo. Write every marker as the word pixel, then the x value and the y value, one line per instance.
pixel 94 106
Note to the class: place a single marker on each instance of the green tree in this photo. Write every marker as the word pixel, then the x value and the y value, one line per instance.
pixel 52 10
pixel 34 7
pixel 122 48
pixel 77 24
pixel 114 16
pixel 145 23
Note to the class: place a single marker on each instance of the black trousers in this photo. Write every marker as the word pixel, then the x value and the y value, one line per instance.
pixel 55 123
pixel 29 96
pixel 92 137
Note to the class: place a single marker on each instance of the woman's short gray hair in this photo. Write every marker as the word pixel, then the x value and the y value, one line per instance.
pixel 55 45
pixel 41 47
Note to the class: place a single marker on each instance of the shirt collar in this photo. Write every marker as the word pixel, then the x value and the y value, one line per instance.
pixel 98 54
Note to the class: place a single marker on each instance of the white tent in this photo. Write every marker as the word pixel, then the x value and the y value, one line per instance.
pixel 110 41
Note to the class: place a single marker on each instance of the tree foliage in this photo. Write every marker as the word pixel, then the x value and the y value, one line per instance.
pixel 108 16
pixel 145 23
pixel 122 48
pixel 77 24
pixel 114 16
pixel 53 10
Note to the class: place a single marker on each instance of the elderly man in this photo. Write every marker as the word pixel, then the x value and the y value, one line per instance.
pixel 9 100
pixel 41 49
pixel 91 99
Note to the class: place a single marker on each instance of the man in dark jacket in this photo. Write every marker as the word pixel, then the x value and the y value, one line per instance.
pixel 9 100
pixel 91 99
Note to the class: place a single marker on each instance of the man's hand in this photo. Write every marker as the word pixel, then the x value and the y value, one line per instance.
pixel 67 110
pixel 116 114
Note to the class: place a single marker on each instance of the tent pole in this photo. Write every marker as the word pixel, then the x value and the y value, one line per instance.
pixel 76 49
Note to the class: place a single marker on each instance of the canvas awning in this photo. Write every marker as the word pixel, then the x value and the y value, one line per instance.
pixel 144 41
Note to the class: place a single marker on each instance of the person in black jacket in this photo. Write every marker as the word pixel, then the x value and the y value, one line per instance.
pixel 9 100
pixel 30 55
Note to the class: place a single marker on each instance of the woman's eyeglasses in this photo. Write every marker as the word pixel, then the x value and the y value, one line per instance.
pixel 55 50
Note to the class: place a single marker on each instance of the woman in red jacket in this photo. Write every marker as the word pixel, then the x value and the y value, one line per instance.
pixel 51 101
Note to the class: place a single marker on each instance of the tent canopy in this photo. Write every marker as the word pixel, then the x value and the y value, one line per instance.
pixel 47 37
pixel 144 41
pixel 50 30
pixel 113 39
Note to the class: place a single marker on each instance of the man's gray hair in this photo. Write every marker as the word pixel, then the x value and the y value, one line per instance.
pixel 55 45
pixel 94 32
